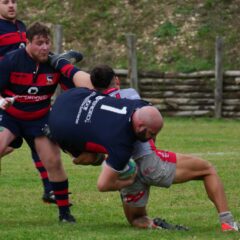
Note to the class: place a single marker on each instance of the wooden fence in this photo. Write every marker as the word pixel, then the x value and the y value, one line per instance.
pixel 193 94
pixel 206 93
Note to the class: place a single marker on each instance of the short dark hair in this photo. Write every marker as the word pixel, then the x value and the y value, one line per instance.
pixel 101 76
pixel 37 28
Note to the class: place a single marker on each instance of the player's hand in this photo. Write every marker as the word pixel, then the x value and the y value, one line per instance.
pixel 5 103
pixel 70 57
pixel 89 158
pixel 128 181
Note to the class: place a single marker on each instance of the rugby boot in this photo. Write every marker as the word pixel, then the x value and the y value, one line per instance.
pixel 49 197
pixel 232 227
pixel 67 218
pixel 161 223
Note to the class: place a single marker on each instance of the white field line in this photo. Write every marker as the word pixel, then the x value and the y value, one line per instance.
pixel 217 154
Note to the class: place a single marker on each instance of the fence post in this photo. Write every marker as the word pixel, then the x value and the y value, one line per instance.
pixel 132 61
pixel 218 77
pixel 57 44
pixel 58 36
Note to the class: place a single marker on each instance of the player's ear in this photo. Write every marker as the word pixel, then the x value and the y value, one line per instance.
pixel 27 42
pixel 117 82
pixel 141 127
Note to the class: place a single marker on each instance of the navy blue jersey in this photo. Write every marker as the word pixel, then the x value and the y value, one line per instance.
pixel 80 116
pixel 31 83
pixel 12 36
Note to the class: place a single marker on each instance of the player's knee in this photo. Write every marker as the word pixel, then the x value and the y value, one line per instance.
pixel 101 187
pixel 52 163
pixel 5 151
pixel 210 168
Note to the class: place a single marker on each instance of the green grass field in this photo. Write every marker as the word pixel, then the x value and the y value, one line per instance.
pixel 100 215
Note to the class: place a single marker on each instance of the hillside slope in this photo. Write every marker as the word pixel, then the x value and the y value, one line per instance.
pixel 171 35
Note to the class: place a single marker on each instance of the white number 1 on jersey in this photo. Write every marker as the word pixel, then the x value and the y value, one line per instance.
pixel 113 109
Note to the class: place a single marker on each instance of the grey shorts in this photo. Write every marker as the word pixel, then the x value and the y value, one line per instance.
pixel 152 171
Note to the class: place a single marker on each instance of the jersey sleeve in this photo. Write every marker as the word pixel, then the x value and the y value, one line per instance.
pixel 118 158
pixel 66 83
pixel 129 93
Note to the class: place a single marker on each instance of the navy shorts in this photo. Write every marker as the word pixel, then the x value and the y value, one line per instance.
pixel 23 128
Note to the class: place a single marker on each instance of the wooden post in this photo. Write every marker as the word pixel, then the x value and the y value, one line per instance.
pixel 57 44
pixel 218 77
pixel 132 61
pixel 58 36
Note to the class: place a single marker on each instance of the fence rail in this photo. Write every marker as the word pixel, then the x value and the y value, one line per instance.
pixel 182 94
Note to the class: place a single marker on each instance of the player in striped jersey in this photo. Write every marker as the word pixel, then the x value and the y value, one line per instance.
pixel 12 37
pixel 26 86
pixel 12 30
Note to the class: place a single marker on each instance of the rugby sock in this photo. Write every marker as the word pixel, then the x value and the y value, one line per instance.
pixel 66 68
pixel 43 173
pixel 61 194
pixel 226 217
pixel 39 165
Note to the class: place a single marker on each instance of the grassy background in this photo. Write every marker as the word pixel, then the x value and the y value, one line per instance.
pixel 171 35
pixel 100 216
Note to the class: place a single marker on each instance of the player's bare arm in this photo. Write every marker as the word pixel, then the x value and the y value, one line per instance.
pixel 109 180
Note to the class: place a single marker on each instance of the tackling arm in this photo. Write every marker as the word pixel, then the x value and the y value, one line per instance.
pixel 82 79
pixel 64 63
pixel 108 180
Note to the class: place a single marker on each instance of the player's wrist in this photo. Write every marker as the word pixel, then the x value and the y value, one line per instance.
pixel 2 101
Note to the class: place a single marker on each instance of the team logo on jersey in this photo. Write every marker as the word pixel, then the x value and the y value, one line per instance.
pixel 22 45
pixel 49 79
pixel 33 90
